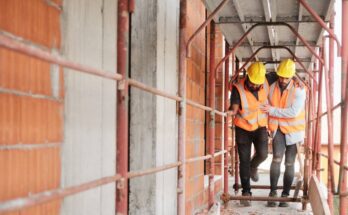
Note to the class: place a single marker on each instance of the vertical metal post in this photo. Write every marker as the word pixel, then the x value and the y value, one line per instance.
pixel 344 112
pixel 227 69
pixel 236 164
pixel 309 104
pixel 182 109
pixel 308 142
pixel 314 101
pixel 211 129
pixel 122 105
pixel 317 139
pixel 233 157
pixel 330 178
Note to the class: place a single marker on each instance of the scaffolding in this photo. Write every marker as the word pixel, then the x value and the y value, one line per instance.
pixel 312 144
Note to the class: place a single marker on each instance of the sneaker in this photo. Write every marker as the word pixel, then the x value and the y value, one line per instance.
pixel 271 203
pixel 254 175
pixel 245 203
pixel 284 204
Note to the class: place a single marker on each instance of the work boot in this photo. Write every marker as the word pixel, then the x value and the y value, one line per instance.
pixel 245 203
pixel 284 204
pixel 272 203
pixel 254 175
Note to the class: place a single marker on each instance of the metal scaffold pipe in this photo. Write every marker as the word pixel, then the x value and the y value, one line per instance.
pixel 122 106
pixel 182 109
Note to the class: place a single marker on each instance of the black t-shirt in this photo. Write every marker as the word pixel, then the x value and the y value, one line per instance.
pixel 235 97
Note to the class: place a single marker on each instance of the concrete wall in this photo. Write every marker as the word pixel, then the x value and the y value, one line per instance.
pixel 88 153
pixel 153 120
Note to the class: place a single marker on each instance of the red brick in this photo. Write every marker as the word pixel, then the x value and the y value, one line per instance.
pixel 188 207
pixel 199 184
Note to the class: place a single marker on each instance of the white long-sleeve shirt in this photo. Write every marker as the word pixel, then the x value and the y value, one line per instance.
pixel 290 112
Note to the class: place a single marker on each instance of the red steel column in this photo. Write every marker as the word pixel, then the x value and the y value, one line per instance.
pixel 122 106
pixel 211 129
pixel 182 112
pixel 314 100
pixel 236 157
pixel 344 112
pixel 330 178
pixel 317 140
pixel 233 156
pixel 227 69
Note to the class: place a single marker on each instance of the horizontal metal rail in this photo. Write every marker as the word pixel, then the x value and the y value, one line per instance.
pixel 264 198
pixel 325 113
pixel 50 195
pixel 206 157
pixel 139 173
pixel 335 161
pixel 19 45
pixel 153 90
pixel 261 187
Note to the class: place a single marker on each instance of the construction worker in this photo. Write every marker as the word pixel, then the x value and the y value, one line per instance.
pixel 286 121
pixel 250 122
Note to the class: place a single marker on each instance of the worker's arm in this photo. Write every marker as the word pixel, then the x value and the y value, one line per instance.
pixel 234 101
pixel 289 112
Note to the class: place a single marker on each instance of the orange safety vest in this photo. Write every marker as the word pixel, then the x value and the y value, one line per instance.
pixel 250 117
pixel 286 125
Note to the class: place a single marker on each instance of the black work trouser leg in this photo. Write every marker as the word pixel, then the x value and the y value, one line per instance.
pixel 279 149
pixel 260 141
pixel 244 139
pixel 244 150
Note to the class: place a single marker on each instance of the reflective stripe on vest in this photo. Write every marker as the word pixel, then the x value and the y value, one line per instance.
pixel 286 125
pixel 250 117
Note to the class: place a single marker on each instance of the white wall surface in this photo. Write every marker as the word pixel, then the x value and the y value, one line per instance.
pixel 89 153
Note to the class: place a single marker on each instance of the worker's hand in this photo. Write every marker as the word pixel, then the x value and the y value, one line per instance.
pixel 298 83
pixel 265 108
pixel 231 112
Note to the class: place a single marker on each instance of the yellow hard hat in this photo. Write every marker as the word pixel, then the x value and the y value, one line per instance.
pixel 286 68
pixel 257 73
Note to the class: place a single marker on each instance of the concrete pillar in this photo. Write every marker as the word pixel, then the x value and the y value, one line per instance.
pixel 153 119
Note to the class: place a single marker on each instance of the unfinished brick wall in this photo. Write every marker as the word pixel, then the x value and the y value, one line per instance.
pixel 196 192
pixel 195 120
pixel 219 100
pixel 30 127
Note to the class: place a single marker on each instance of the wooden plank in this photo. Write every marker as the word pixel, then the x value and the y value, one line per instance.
pixel 316 198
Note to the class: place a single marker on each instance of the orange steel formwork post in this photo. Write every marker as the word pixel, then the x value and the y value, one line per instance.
pixel 227 67
pixel 344 110
pixel 233 156
pixel 317 136
pixel 122 106
pixel 236 164
pixel 329 98
pixel 182 109
pixel 316 162
pixel 211 130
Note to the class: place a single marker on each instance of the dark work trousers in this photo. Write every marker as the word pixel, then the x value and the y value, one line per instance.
pixel 244 139
pixel 279 149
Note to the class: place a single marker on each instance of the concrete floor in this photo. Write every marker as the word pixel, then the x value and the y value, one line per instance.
pixel 257 208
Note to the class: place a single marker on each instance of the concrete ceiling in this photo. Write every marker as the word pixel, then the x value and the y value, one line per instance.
pixel 236 17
